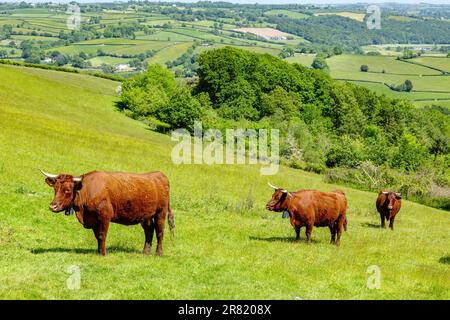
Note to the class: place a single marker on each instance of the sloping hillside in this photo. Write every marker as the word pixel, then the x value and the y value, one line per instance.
pixel 227 245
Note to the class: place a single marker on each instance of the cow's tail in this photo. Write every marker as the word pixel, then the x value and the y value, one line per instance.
pixel 170 219
pixel 345 224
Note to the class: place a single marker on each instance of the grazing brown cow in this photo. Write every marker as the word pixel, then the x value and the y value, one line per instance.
pixel 312 208
pixel 388 205
pixel 99 198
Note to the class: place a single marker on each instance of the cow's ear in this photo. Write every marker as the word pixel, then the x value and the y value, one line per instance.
pixel 398 196
pixel 50 181
pixel 78 183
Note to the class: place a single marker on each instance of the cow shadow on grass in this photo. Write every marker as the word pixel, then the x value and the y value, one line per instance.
pixel 281 239
pixel 83 250
pixel 445 260
pixel 371 225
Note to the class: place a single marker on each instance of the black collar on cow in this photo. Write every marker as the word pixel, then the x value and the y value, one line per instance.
pixel 70 210
pixel 286 214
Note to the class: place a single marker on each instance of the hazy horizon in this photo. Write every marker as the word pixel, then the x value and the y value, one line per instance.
pixel 321 2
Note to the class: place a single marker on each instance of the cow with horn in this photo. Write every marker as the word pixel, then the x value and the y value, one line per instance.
pixel 388 205
pixel 312 208
pixel 98 198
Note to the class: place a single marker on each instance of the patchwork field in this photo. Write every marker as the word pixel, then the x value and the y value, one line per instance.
pixel 397 49
pixel 429 84
pixel 169 38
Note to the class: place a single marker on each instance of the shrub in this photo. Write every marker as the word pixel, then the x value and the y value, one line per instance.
pixel 345 153
pixel 410 154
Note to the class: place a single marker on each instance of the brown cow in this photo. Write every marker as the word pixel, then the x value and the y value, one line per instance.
pixel 99 198
pixel 388 205
pixel 312 208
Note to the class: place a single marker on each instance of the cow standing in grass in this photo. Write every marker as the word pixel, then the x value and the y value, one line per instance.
pixel 388 205
pixel 312 208
pixel 99 198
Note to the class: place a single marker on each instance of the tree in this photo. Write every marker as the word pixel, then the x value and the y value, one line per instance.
pixel 286 52
pixel 410 154
pixel 3 54
pixel 147 92
pixel 345 152
pixel 408 86
pixel 319 63
pixel 181 111
pixel 337 50
pixel 61 60
pixel 106 68
pixel 364 68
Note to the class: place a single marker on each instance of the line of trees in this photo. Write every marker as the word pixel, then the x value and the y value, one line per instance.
pixel 334 30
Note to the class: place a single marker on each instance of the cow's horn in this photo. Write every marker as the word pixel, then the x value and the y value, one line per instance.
pixel 77 179
pixel 398 194
pixel 48 175
pixel 385 192
pixel 272 186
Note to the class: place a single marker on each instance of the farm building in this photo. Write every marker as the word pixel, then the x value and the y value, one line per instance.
pixel 123 67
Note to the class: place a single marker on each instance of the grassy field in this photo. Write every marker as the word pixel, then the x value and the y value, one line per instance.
pixel 352 15
pixel 428 83
pixel 287 13
pixel 435 62
pixel 391 49
pixel 303 59
pixel 227 246
pixel 98 61
pixel 343 64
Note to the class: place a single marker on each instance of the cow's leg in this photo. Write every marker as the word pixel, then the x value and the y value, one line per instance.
pixel 100 231
pixel 309 228
pixel 160 220
pixel 297 233
pixel 333 233
pixel 339 228
pixel 383 225
pixel 391 223
pixel 149 228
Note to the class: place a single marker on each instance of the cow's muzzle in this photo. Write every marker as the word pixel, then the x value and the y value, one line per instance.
pixel 54 208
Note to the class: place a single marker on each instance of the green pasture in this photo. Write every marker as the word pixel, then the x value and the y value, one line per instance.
pixel 303 59
pixel 441 63
pixel 98 61
pixel 170 53
pixel 226 246
pixel 413 96
pixel 288 13
pixel 341 65
pixel 429 83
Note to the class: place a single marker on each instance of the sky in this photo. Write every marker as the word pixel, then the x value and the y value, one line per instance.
pixel 273 1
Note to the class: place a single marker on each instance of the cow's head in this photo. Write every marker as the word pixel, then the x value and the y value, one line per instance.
pixel 66 187
pixel 279 201
pixel 391 198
